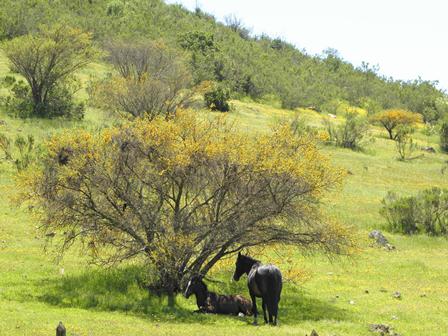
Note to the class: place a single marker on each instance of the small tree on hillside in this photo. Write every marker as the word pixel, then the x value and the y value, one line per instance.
pixel 152 81
pixel 183 193
pixel 404 142
pixel 47 61
pixel 444 136
pixel 391 119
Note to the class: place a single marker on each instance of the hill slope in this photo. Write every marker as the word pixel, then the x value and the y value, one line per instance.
pixel 261 67
pixel 339 298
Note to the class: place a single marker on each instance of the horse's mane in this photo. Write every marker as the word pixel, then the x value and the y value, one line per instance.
pixel 247 258
pixel 205 285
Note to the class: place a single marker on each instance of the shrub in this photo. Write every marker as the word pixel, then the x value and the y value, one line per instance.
pixel 22 152
pixel 217 99
pixel 427 212
pixel 444 137
pixel 18 104
pixel 5 146
pixel 400 213
pixel 352 133
pixel 25 147
pixel 153 80
pixel 404 143
pixel 58 104
pixel 434 211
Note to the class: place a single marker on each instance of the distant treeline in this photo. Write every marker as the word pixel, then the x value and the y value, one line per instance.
pixel 260 67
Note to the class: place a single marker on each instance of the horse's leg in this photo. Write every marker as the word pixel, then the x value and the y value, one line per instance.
pixel 270 304
pixel 275 310
pixel 276 302
pixel 254 307
pixel 263 304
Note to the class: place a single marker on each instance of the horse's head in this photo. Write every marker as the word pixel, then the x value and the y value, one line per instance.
pixel 243 265
pixel 194 286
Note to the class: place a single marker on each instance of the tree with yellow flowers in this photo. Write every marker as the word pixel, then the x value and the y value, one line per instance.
pixel 391 119
pixel 182 193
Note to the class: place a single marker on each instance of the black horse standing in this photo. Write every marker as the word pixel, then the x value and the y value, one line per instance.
pixel 263 281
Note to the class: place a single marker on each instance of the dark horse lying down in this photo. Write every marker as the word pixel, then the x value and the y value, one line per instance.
pixel 264 281
pixel 209 302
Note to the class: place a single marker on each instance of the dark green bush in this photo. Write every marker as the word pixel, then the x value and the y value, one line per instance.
pixel 19 104
pixel 22 152
pixel 26 151
pixel 217 99
pixel 444 137
pixel 400 213
pixel 427 212
pixel 59 104
pixel 352 133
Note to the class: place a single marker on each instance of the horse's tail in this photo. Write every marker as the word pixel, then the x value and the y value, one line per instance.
pixel 279 282
pixel 274 290
pixel 275 283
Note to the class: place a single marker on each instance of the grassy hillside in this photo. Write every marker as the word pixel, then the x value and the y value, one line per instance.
pixel 256 66
pixel 341 297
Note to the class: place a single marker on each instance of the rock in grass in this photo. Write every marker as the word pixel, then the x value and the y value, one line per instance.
pixel 379 237
pixel 382 329
pixel 381 240
pixel 397 295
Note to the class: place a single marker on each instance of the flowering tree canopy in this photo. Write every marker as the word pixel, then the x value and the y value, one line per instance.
pixel 393 118
pixel 185 192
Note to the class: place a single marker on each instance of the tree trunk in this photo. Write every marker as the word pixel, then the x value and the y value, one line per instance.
pixel 38 105
pixel 390 133
pixel 171 299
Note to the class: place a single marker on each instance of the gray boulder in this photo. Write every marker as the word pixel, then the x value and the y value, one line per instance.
pixel 381 240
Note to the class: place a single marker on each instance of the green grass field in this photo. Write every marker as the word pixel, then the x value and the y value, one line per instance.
pixel 339 297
